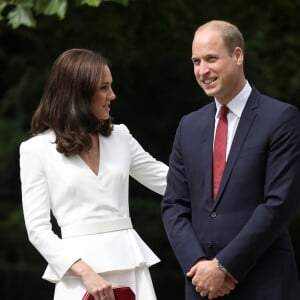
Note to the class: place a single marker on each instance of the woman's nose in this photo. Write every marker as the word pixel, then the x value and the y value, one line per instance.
pixel 112 95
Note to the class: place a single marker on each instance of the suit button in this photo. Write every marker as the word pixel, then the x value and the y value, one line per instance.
pixel 213 214
pixel 210 247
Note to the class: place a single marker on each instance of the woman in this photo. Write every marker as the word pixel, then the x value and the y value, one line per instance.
pixel 77 165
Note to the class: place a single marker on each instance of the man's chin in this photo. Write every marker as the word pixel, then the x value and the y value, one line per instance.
pixel 210 92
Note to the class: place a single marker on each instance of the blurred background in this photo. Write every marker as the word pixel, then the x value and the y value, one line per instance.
pixel 149 45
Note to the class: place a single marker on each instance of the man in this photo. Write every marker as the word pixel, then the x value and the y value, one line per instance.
pixel 228 221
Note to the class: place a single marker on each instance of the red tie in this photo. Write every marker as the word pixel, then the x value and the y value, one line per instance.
pixel 219 155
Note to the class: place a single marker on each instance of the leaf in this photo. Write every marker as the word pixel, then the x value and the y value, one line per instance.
pixel 23 3
pixel 122 2
pixel 2 6
pixel 52 7
pixel 94 3
pixel 20 16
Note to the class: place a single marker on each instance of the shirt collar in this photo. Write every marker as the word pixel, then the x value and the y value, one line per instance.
pixel 238 103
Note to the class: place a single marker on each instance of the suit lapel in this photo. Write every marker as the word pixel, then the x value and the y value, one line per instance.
pixel 245 123
pixel 208 150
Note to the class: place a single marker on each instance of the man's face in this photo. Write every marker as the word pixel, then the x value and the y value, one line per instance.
pixel 218 72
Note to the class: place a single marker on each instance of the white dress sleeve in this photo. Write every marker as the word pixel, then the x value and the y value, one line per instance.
pixel 145 168
pixel 36 208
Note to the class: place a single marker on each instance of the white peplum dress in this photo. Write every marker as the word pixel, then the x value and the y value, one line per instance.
pixel 91 210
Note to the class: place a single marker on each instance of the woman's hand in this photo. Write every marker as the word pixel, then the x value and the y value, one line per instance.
pixel 99 288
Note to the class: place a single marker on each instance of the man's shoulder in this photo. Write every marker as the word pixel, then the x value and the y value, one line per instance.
pixel 270 102
pixel 205 110
pixel 198 119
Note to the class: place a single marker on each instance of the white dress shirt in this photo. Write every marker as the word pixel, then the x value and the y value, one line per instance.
pixel 236 107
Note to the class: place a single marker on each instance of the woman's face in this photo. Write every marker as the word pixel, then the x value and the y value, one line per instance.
pixel 103 96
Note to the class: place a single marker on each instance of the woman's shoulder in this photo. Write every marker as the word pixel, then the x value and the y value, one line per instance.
pixel 120 129
pixel 37 141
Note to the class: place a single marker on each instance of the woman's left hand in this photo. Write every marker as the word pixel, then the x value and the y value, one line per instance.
pixel 96 285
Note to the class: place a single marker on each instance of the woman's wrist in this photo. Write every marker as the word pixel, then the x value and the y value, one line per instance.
pixel 79 268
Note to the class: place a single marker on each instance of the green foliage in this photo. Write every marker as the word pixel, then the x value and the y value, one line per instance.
pixel 23 12
pixel 20 265
pixel 91 2
pixel 146 217
pixel 14 113
pixel 20 15
pixel 52 7
pixel 96 3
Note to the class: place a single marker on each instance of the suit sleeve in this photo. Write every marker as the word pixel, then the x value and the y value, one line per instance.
pixel 176 210
pixel 281 197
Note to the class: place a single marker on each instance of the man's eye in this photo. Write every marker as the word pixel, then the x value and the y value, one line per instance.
pixel 211 59
pixel 196 61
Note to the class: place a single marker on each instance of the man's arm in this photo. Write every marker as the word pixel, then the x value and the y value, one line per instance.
pixel 176 210
pixel 281 194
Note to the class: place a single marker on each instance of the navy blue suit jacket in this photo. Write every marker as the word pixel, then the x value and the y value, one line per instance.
pixel 246 226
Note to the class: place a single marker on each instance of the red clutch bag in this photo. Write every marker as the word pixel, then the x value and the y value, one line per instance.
pixel 121 293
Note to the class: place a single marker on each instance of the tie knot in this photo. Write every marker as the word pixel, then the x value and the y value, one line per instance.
pixel 223 112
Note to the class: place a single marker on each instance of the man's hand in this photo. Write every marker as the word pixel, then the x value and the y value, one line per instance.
pixel 209 280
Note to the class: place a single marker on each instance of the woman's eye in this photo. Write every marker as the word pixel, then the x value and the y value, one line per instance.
pixel 104 87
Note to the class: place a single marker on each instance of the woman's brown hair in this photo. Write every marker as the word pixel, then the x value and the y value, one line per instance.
pixel 65 106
